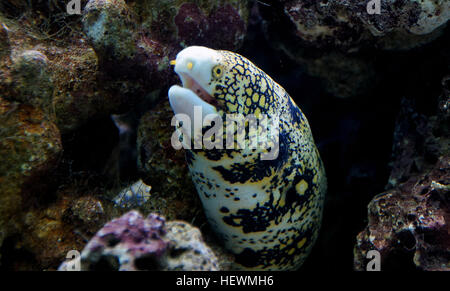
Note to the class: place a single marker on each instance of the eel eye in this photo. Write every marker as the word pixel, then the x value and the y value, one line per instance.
pixel 217 71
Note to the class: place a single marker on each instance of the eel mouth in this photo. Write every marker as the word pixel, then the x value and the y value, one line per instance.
pixel 194 86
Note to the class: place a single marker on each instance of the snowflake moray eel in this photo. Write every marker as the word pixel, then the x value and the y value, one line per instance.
pixel 267 212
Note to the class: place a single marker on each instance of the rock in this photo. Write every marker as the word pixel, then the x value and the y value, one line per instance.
pixel 348 24
pixel 163 167
pixel 339 42
pixel 188 251
pixel 133 242
pixel 51 231
pixel 210 23
pixel 78 95
pixel 30 147
pixel 419 140
pixel 63 80
pixel 415 145
pixel 111 29
pixel 87 213
pixel 131 64
pixel 31 79
pixel 135 42
pixel 409 223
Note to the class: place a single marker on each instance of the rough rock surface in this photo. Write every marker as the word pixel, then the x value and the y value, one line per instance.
pixel 339 42
pixel 54 230
pixel 135 42
pixel 31 79
pixel 188 251
pixel 133 242
pixel 60 79
pixel 32 145
pixel 347 24
pixel 163 167
pixel 410 223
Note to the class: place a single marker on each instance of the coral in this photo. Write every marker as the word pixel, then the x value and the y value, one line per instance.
pixel 133 242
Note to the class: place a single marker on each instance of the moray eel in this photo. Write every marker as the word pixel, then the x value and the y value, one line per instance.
pixel 267 212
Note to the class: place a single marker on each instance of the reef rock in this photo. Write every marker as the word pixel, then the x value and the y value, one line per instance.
pixel 188 251
pixel 163 167
pixel 31 79
pixel 30 147
pixel 51 231
pixel 350 24
pixel 344 45
pixel 410 223
pixel 58 76
pixel 135 42
pixel 217 24
pixel 133 242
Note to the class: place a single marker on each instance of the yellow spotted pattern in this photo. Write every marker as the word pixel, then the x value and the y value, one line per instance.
pixel 275 227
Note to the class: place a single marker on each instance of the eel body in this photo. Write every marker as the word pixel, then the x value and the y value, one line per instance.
pixel 266 211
